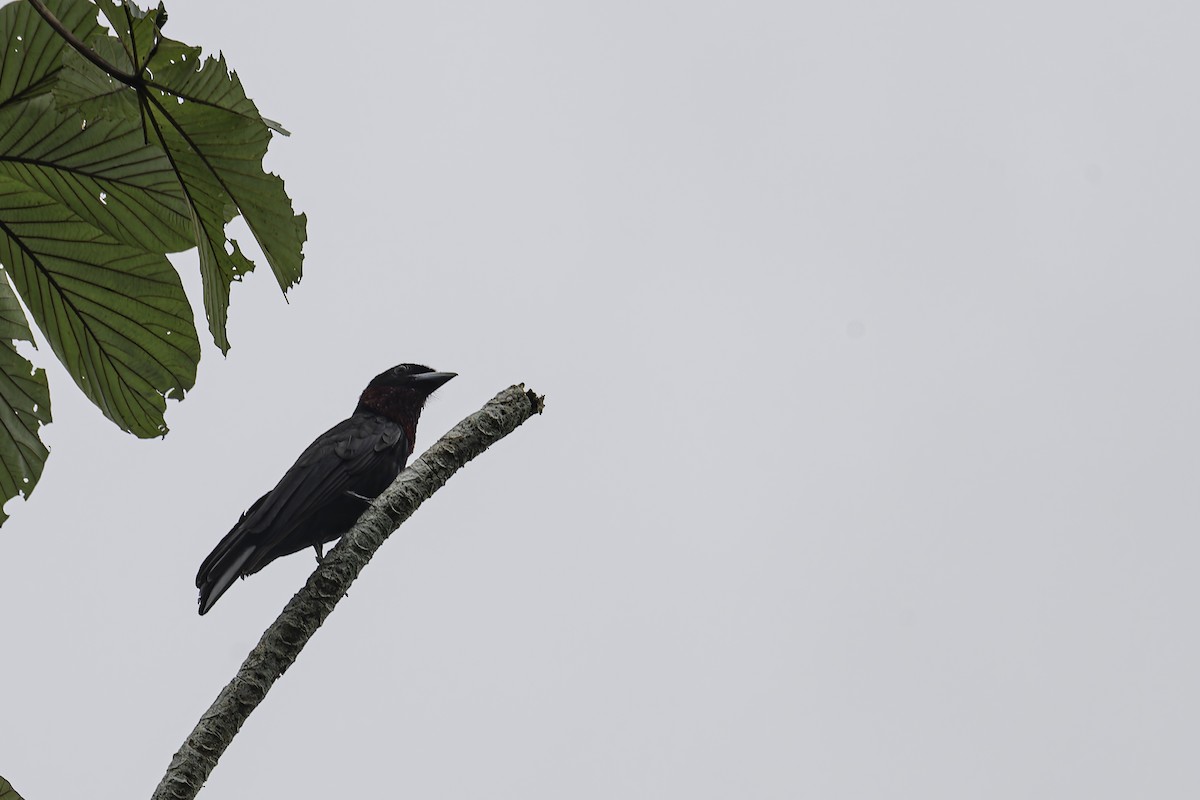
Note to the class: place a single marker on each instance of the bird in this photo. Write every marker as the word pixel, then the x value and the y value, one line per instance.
pixel 331 483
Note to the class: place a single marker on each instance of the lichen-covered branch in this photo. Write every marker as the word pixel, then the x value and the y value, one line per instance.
pixel 286 637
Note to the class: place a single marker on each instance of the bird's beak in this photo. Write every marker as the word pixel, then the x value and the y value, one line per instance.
pixel 428 381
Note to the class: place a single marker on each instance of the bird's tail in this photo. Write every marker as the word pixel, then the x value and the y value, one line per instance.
pixel 220 575
pixel 225 563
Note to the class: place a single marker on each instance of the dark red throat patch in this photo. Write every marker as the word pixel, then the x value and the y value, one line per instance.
pixel 400 405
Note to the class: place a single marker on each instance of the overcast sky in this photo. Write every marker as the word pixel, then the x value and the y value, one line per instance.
pixel 869 467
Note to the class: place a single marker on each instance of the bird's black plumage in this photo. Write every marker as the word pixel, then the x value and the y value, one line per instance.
pixel 330 485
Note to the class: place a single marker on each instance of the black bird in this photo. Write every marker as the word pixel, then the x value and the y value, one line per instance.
pixel 330 485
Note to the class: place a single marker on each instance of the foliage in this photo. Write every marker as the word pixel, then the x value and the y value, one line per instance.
pixel 117 147
pixel 7 792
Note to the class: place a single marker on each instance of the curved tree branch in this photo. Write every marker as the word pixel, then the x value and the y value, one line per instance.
pixel 305 612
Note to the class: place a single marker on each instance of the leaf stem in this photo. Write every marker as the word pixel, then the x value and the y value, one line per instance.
pixel 77 44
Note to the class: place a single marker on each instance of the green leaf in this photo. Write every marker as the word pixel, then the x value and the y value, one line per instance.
pixel 115 315
pixel 102 172
pixel 24 408
pixel 100 169
pixel 217 140
pixel 7 792
pixel 32 50
pixel 224 130
pixel 198 112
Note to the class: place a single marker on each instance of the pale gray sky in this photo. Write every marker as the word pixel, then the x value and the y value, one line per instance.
pixel 869 468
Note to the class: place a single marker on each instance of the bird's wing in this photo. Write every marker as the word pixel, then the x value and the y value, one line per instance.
pixel 359 455
pixel 341 460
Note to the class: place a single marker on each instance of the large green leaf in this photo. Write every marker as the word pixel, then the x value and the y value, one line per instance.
pixel 109 159
pixel 31 57
pixel 24 405
pixel 198 112
pixel 213 121
pixel 217 140
pixel 115 315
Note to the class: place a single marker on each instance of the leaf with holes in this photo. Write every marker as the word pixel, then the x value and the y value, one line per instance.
pixel 116 148
pixel 196 110
pixel 115 315
pixel 24 404
pixel 101 169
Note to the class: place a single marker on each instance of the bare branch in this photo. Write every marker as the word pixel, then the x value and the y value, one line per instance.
pixel 305 612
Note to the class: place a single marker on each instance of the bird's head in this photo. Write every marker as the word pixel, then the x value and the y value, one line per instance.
pixel 411 376
pixel 400 392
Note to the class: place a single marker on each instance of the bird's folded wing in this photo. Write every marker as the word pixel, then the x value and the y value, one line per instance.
pixel 339 461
